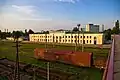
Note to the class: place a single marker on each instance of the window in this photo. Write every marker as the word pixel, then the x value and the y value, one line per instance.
pixel 60 37
pixel 63 40
pixel 84 42
pixel 87 41
pixel 56 36
pixel 90 41
pixel 90 36
pixel 63 36
pixel 72 41
pixel 66 36
pixel 87 36
pixel 78 41
pixel 80 36
pixel 69 36
pixel 66 40
pixel 94 37
pixel 72 36
pixel 84 36
pixel 75 41
pixel 59 40
pixel 56 41
pixel 69 40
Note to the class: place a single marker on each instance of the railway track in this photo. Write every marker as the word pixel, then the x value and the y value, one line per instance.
pixel 7 69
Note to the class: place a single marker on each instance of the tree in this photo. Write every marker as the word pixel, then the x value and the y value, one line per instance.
pixel 116 29
pixel 117 26
pixel 16 34
pixel 46 32
pixel 75 29
pixel 107 34
pixel 0 34
pixel 25 30
pixel 3 35
pixel 26 33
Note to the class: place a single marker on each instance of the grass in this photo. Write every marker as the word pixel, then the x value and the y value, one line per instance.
pixel 26 52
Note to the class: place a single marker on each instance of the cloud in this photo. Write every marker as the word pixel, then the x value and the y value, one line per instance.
pixel 68 1
pixel 13 21
pixel 29 10
pixel 29 13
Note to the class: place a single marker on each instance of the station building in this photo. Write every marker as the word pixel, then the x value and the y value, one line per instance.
pixel 68 37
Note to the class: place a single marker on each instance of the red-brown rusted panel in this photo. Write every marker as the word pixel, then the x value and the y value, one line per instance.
pixel 81 59
pixel 70 57
pixel 39 53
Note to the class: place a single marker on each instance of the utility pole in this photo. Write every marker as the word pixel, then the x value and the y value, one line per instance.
pixel 17 75
pixel 82 40
pixel 46 51
pixel 53 41
pixel 71 37
pixel 45 42
pixel 48 71
pixel 78 25
pixel 34 72
pixel 75 42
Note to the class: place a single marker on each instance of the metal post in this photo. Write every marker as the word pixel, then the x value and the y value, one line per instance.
pixel 53 41
pixel 75 43
pixel 47 62
pixel 34 73
pixel 47 70
pixel 78 35
pixel 45 42
pixel 82 40
pixel 17 76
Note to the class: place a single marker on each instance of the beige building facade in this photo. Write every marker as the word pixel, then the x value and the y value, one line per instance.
pixel 63 37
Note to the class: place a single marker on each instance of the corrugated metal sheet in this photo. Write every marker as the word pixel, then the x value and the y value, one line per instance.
pixel 70 57
pixel 81 59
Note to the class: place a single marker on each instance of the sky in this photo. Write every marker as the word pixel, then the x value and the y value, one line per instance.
pixel 57 14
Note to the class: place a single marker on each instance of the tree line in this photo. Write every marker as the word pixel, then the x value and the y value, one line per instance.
pixel 108 32
pixel 115 30
pixel 15 34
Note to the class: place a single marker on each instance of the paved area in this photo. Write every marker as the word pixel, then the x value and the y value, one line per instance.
pixel 117 58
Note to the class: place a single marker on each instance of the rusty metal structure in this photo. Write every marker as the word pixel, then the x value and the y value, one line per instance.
pixel 69 57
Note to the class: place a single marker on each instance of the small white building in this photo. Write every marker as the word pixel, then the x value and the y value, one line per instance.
pixel 12 39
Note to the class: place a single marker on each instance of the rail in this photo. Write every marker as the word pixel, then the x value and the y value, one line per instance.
pixel 108 73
